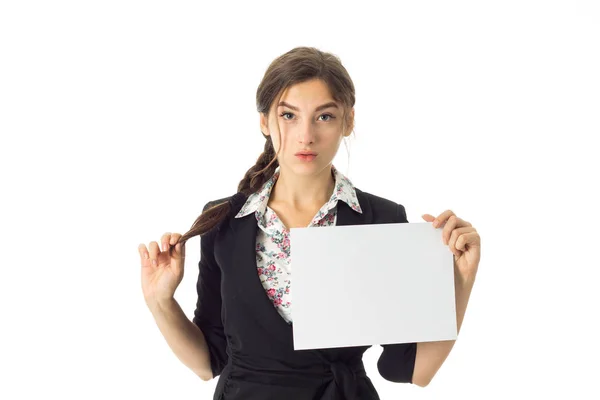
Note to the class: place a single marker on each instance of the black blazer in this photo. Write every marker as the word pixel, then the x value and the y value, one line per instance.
pixel 251 345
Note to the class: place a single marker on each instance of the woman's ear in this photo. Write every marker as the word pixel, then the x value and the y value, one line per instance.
pixel 351 123
pixel 264 125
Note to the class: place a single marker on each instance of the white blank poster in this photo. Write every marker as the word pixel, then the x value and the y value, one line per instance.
pixel 358 285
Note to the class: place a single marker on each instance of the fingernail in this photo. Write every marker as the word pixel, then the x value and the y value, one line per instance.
pixel 435 223
pixel 154 262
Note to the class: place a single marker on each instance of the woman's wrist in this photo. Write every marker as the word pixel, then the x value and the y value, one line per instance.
pixel 160 305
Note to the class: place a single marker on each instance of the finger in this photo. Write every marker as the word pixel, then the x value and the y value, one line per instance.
pixel 442 218
pixel 180 251
pixel 144 255
pixel 174 238
pixel 174 241
pixel 153 253
pixel 169 241
pixel 456 223
pixel 451 224
pixel 468 240
pixel 454 237
pixel 164 241
pixel 462 222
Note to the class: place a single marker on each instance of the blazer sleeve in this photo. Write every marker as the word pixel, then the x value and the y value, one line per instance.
pixel 397 361
pixel 207 315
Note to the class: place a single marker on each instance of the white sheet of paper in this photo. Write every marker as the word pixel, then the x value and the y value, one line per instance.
pixel 357 285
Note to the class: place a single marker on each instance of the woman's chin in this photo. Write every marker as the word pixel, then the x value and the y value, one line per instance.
pixel 306 169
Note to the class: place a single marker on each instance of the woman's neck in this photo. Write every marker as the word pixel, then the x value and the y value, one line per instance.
pixel 303 192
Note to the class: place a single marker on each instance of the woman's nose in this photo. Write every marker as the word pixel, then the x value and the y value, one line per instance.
pixel 306 133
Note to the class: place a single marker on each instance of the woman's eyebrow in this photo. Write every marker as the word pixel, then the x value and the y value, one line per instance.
pixel 321 107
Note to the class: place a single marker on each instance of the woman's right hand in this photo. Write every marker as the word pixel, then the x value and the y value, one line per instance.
pixel 160 279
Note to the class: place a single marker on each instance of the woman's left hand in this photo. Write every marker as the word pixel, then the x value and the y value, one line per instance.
pixel 463 240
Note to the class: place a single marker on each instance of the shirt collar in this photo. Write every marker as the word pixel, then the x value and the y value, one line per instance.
pixel 343 190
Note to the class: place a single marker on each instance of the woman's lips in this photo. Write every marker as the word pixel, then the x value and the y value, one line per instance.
pixel 306 157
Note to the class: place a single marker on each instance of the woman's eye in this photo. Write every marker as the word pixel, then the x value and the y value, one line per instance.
pixel 286 113
pixel 328 115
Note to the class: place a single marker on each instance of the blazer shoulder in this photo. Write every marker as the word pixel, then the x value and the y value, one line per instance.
pixel 236 200
pixel 377 201
pixel 213 203
pixel 381 206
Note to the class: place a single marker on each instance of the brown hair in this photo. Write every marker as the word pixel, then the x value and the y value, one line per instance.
pixel 296 66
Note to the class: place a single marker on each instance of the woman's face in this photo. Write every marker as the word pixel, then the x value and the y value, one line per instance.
pixel 305 125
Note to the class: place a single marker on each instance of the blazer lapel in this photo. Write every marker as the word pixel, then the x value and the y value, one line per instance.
pixel 347 216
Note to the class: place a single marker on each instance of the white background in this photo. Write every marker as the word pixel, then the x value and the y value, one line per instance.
pixel 121 119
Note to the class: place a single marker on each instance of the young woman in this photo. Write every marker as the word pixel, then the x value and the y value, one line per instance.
pixel 242 325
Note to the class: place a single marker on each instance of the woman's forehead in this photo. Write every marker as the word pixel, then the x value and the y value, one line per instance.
pixel 307 102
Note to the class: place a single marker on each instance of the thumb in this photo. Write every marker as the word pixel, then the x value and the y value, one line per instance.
pixel 428 217
pixel 179 251
pixel 176 252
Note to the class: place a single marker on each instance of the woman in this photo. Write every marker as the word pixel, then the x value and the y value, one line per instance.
pixel 242 325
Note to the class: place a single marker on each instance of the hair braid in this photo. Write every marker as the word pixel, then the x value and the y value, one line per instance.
pixel 262 171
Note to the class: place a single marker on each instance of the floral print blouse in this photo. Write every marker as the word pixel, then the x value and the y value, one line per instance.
pixel 273 258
